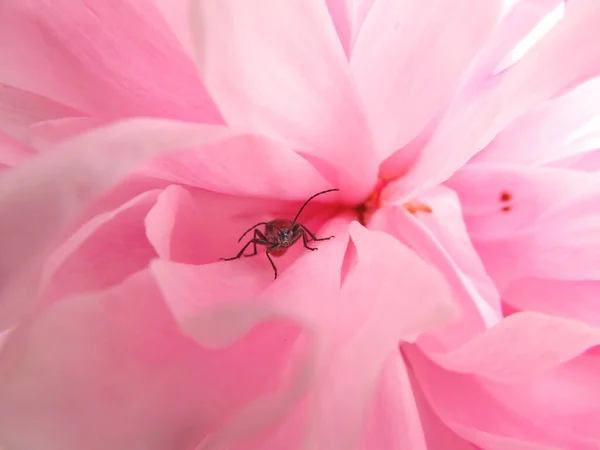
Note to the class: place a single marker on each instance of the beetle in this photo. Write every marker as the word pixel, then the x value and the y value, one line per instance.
pixel 279 235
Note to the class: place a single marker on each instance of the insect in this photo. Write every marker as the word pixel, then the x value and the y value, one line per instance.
pixel 279 235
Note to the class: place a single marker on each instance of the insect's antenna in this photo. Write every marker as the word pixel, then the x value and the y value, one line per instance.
pixel 306 202
pixel 250 229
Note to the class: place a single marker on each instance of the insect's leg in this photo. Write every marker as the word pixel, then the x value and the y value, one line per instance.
pixel 253 241
pixel 312 236
pixel 269 250
pixel 259 238
pixel 305 239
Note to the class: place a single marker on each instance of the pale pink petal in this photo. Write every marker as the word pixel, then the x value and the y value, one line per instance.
pixel 177 15
pixel 584 161
pixel 103 252
pixel 578 300
pixel 217 303
pixel 474 309
pixel 40 198
pixel 544 133
pixel 348 17
pixel 246 165
pixel 539 398
pixel 395 421
pixel 565 57
pixel 538 342
pixel 409 58
pixel 112 371
pixel 111 59
pixel 278 68
pixel 362 335
pixel 518 23
pixel 45 134
pixel 197 291
pixel 500 200
pixel 447 227
pixel 20 109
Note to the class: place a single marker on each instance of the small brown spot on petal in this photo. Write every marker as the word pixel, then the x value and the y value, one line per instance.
pixel 505 196
pixel 506 208
pixel 414 207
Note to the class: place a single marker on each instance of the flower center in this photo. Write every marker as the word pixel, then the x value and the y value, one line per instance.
pixel 371 203
pixel 365 210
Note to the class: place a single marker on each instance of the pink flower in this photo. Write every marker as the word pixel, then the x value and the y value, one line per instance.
pixel 455 307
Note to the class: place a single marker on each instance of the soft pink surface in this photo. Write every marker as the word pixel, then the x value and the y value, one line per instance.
pixel 139 139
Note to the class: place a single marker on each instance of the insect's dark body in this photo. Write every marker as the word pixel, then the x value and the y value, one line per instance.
pixel 282 232
pixel 279 235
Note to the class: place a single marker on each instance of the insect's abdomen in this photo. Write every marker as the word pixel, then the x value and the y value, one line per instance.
pixel 278 252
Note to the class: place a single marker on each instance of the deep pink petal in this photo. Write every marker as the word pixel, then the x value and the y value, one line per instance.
pixel 111 59
pixel 112 371
pixel 409 58
pixel 279 69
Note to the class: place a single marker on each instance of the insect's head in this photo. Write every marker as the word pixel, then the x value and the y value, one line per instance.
pixel 285 236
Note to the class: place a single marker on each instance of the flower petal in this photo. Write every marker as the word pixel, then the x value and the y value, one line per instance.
pixel 348 17
pixel 112 59
pixel 278 68
pixel 577 300
pixel 475 300
pixel 565 57
pixel 245 165
pixel 369 332
pixel 537 343
pixel 403 66
pixel 200 227
pixel 395 421
pixel 544 134
pixel 521 19
pixel 539 397
pixel 58 185
pixel 103 252
pixel 20 109
pixel 12 152
pixel 131 379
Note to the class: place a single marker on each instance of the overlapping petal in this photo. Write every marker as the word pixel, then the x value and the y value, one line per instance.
pixel 408 61
pixel 278 68
pixel 513 389
pixel 563 58
pixel 112 59
pixel 108 383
